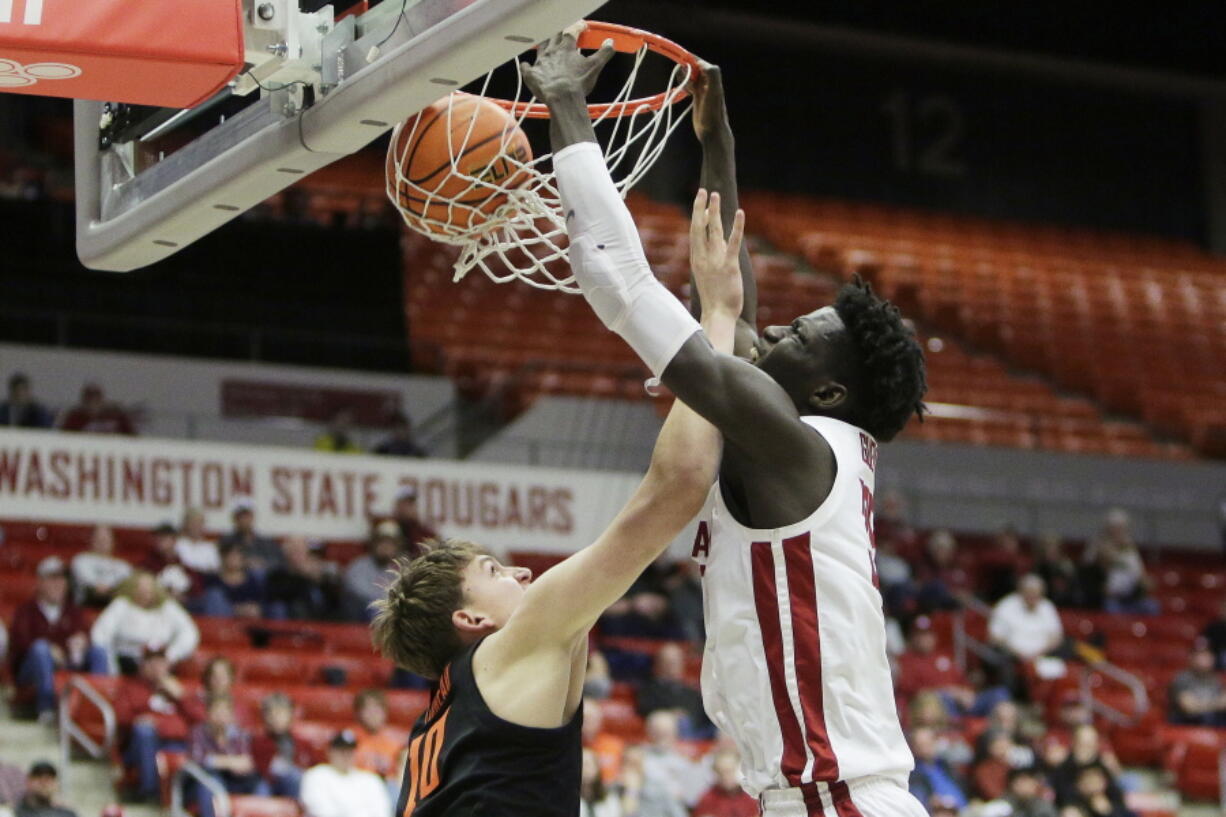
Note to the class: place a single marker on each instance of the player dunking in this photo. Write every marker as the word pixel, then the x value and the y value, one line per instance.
pixel 501 735
pixel 795 669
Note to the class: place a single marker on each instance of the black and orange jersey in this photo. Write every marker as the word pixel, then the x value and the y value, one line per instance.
pixel 465 761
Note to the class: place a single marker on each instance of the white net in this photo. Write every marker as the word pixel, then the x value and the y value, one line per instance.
pixel 505 215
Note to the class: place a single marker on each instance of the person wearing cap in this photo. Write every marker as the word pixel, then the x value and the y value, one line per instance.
pixel 97 572
pixel 366 577
pixel 339 789
pixel 406 515
pixel 400 443
pixel 21 410
pixel 1197 696
pixel 96 416
pixel 263 553
pixel 42 794
pixel 153 712
pixel 48 634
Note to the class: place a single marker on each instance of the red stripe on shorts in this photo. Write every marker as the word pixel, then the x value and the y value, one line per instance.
pixel 798 557
pixel 844 806
pixel 766 602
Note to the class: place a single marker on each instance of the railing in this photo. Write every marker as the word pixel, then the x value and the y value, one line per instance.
pixel 1140 697
pixel 194 771
pixel 71 731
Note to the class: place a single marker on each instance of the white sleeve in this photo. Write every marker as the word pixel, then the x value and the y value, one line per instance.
pixel 607 259
pixel 185 635
pixel 998 625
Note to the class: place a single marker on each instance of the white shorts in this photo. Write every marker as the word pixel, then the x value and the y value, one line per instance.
pixel 863 797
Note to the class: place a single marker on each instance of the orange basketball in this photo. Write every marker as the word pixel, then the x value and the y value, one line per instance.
pixel 463 149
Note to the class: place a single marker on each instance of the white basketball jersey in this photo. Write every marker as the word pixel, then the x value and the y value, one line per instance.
pixel 795 668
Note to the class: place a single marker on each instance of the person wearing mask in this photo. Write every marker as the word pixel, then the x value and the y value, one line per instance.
pixel 49 634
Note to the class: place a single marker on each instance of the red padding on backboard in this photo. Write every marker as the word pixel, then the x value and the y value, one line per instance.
pixel 172 53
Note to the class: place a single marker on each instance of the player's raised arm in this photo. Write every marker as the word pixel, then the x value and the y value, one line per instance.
pixel 711 126
pixel 606 256
pixel 566 601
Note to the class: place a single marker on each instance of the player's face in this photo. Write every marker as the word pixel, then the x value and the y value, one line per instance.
pixel 493 590
pixel 799 355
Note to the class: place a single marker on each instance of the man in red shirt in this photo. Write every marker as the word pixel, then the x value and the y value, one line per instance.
pixel 154 712
pixel 922 667
pixel 726 798
pixel 49 634
pixel 95 415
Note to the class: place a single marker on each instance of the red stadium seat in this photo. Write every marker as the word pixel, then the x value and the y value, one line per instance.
pixel 250 805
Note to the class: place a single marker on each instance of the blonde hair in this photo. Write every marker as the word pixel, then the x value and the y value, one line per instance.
pixel 127 588
pixel 412 624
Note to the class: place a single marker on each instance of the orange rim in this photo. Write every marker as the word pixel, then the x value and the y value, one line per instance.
pixel 626 40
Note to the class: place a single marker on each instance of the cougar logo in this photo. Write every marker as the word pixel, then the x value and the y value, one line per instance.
pixel 33 12
pixel 15 75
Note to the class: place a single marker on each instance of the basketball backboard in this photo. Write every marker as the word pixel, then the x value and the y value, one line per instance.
pixel 327 88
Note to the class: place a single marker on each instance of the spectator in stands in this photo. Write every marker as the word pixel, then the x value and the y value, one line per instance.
pixel 263 554
pixel 217 681
pixel 21 410
pixel 1024 626
pixel 42 794
pixel 1057 571
pixel 1215 635
pixel 597 683
pixel 223 749
pixel 378 745
pixel 163 562
pixel 1086 752
pixel 1001 565
pixel 153 712
pixel 927 711
pixel 338 438
pixel 932 778
pixel 401 442
pixel 305 587
pixel 1094 797
pixel 1025 795
pixel 668 690
pixel 895 578
pixel 608 748
pixel 49 634
pixel 235 591
pixel 1196 694
pixel 644 612
pixel 12 785
pixel 596 797
pixel 407 516
pixel 95 415
pixel 337 789
pixel 97 572
pixel 195 550
pixel 671 781
pixel 1126 587
pixel 726 798
pixel 990 774
pixel 279 757
pixel 142 616
pixel 922 666
pixel 1006 718
pixel 366 576
pixel 684 588
pixel 944 585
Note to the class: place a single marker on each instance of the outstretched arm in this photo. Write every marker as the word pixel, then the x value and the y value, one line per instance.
pixel 714 133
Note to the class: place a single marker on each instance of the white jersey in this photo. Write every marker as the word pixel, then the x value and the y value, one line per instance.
pixel 795 669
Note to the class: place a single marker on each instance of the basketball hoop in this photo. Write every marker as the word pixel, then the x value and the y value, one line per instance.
pixel 517 231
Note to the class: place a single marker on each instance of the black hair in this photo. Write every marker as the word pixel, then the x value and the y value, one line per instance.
pixel 18 379
pixel 891 361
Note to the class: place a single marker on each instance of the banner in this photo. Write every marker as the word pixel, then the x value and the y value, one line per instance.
pixel 86 478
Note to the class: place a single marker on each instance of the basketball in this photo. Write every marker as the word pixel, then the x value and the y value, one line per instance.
pixel 452 163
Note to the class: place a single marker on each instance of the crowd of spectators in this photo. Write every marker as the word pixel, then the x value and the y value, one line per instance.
pixel 982 746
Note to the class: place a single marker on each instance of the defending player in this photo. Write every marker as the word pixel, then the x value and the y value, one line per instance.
pixel 795 669
pixel 501 736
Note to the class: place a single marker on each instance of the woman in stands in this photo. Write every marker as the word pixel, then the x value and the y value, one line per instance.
pixel 140 616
